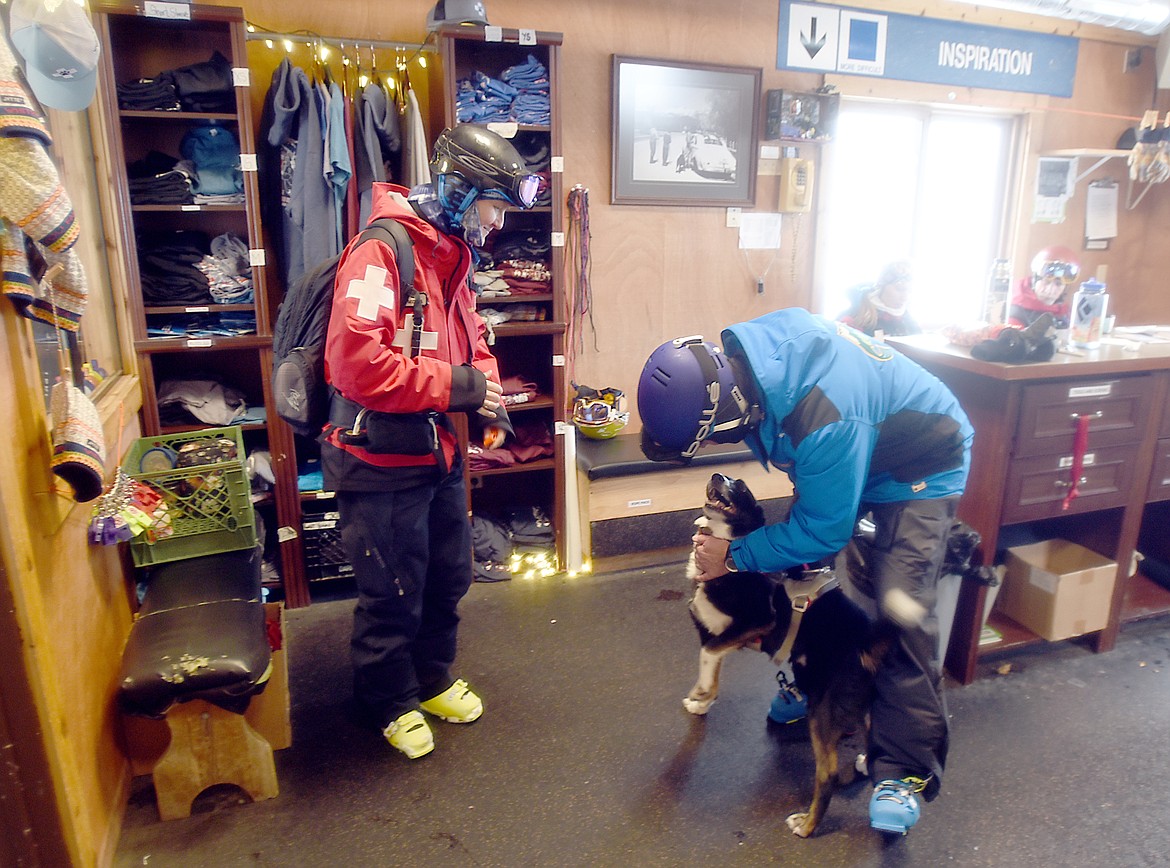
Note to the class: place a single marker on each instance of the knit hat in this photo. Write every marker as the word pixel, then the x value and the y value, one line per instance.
pixel 18 115
pixel 79 449
pixel 60 49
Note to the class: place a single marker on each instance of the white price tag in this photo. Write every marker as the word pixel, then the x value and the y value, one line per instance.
pixel 557 164
pixel 173 11
pixel 561 428
pixel 527 37
pixel 558 361
pixel 189 208
pixel 241 76
pixel 493 34
pixel 256 256
pixel 196 309
pixel 286 533
pixel 247 162
pixel 638 504
pixel 557 239
pixel 200 343
pixel 507 129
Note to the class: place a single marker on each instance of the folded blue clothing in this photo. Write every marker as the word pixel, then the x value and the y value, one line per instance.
pixel 313 480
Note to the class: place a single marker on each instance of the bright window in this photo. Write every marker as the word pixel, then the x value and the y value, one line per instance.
pixel 917 183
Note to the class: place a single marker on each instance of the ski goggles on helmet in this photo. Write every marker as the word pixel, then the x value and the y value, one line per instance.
pixel 592 410
pixel 523 193
pixel 1065 272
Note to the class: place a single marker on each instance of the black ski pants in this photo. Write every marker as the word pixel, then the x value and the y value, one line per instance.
pixel 908 730
pixel 411 554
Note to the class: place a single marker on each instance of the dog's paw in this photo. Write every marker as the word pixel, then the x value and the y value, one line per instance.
pixel 697 706
pixel 800 824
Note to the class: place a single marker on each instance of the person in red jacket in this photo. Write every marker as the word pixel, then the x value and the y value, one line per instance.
pixel 1047 289
pixel 389 450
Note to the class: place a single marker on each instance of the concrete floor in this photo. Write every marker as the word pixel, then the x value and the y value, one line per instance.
pixel 585 757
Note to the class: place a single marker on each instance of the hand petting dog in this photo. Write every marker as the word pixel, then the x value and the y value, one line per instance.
pixel 710 555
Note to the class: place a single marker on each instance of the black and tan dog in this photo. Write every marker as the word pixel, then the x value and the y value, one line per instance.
pixel 802 615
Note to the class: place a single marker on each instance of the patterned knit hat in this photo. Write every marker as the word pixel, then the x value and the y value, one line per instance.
pixel 18 115
pixel 33 203
pixel 79 446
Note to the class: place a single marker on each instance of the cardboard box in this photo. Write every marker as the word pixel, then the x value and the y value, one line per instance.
pixel 269 713
pixel 1057 589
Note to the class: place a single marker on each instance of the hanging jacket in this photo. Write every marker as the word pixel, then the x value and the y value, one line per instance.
pixel 851 421
pixel 367 350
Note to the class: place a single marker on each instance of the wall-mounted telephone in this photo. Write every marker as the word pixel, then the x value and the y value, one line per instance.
pixel 796 184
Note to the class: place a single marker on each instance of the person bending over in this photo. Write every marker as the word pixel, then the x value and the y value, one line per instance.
pixel 863 432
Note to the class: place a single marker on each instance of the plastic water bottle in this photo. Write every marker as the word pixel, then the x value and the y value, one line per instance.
pixel 1088 314
pixel 998 289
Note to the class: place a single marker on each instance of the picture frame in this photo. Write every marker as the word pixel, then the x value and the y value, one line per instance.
pixel 684 133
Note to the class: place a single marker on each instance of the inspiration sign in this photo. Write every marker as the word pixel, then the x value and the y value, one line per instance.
pixel 838 39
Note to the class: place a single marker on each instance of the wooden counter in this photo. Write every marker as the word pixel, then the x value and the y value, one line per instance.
pixel 1025 418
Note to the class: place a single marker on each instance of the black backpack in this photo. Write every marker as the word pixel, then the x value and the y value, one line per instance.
pixel 299 389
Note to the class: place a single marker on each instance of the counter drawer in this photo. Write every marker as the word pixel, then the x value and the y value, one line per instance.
pixel 1036 486
pixel 1160 475
pixel 1119 407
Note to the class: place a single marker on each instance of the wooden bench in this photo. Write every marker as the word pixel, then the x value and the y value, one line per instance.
pixel 628 503
pixel 198 652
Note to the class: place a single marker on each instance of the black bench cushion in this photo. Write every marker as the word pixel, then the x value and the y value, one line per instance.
pixel 622 456
pixel 225 576
pixel 215 651
pixel 200 634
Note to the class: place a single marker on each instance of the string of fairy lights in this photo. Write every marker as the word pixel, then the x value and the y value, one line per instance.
pixel 349 50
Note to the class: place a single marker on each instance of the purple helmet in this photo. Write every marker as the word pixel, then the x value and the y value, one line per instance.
pixel 687 394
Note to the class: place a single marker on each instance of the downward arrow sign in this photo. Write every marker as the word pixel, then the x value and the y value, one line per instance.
pixel 811 44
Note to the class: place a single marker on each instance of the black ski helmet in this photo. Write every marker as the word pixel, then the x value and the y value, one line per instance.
pixel 472 162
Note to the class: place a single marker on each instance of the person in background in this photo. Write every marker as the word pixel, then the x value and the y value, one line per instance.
pixel 1047 290
pixel 862 431
pixel 389 450
pixel 880 309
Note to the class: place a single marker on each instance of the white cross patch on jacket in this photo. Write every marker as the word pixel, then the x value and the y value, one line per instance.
pixel 372 293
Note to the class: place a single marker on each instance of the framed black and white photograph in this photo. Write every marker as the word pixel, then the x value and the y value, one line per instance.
pixel 684 133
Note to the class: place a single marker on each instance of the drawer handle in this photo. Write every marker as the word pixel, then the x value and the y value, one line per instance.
pixel 1064 483
pixel 1096 415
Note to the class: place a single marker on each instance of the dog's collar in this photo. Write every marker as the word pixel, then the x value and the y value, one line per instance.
pixel 803 592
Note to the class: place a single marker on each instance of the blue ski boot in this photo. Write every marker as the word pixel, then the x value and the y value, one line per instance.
pixel 789 704
pixel 894 805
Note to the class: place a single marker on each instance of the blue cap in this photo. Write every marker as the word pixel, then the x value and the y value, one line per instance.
pixel 60 49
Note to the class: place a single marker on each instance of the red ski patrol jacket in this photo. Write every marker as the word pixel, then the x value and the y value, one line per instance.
pixel 367 350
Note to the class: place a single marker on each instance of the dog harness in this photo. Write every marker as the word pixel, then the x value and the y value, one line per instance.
pixel 803 592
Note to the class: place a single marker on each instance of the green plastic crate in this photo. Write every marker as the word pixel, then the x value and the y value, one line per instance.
pixel 210 504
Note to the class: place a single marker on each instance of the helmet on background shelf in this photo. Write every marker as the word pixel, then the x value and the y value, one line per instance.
pixel 470 162
pixel 1056 261
pixel 456 12
pixel 599 414
pixel 687 394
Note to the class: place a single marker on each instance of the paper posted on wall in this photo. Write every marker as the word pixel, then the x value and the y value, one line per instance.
pixel 1055 182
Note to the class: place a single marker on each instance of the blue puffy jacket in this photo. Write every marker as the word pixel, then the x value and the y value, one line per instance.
pixel 851 421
